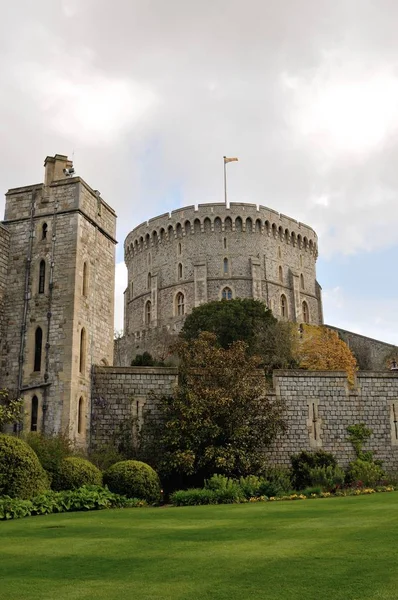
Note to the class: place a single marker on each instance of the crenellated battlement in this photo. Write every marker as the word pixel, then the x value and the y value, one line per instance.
pixel 216 217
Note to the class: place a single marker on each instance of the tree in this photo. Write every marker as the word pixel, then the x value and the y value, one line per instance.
pixel 249 321
pixel 10 410
pixel 229 320
pixel 321 349
pixel 219 419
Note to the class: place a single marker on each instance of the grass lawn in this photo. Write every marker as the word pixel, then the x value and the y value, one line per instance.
pixel 340 548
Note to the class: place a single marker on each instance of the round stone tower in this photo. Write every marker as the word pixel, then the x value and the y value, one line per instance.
pixel 183 259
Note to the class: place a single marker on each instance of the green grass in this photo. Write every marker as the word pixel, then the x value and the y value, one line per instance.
pixel 340 548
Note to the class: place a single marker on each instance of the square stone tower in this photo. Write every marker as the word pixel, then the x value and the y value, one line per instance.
pixel 58 302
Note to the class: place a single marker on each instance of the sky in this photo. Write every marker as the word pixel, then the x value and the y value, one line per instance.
pixel 148 96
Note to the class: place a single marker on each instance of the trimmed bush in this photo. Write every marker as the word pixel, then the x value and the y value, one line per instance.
pixel 198 496
pixel 21 474
pixel 75 472
pixel 133 479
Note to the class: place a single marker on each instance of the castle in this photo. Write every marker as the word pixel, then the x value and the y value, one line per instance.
pixel 57 272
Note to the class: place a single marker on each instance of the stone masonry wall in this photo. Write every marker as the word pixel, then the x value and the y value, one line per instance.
pixel 4 251
pixel 370 354
pixel 120 393
pixel 319 408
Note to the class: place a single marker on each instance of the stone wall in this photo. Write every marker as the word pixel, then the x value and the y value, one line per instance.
pixel 120 393
pixel 319 408
pixel 371 354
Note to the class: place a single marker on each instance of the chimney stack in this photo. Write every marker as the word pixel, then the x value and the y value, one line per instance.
pixel 54 168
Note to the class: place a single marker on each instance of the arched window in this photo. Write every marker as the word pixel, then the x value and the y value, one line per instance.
pixel 280 274
pixel 179 248
pixel 238 224
pixel 179 271
pixel 306 314
pixel 44 229
pixel 180 304
pixel 207 225
pixel 196 226
pixel 228 224
pixel 149 259
pixel 85 279
pixel 226 294
pixel 179 230
pixel 225 266
pixel 80 415
pixel 148 312
pixel 279 252
pixel 82 354
pixel 38 349
pixel 149 281
pixel 42 276
pixel 283 306
pixel 34 413
pixel 217 224
pixel 301 260
pixel 249 225
pixel 302 281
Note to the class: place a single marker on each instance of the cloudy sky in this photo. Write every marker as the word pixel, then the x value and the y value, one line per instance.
pixel 148 95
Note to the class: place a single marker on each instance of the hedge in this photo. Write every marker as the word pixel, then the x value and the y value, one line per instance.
pixel 74 472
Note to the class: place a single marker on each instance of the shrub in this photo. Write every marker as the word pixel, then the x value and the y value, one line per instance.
pixel 199 496
pixel 105 456
pixel 368 473
pixel 21 474
pixel 302 464
pixel 328 478
pixel 220 482
pixel 280 477
pixel 85 498
pixel 74 472
pixel 133 479
pixel 51 450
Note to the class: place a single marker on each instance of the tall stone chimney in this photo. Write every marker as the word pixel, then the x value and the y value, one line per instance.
pixel 54 168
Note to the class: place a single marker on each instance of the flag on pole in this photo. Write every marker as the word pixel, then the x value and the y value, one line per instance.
pixel 227 160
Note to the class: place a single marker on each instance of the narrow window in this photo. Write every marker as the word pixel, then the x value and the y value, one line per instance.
pixel 179 248
pixel 80 415
pixel 306 314
pixel 82 356
pixel 394 423
pixel 44 230
pixel 149 282
pixel 149 259
pixel 148 312
pixel 34 414
pixel 42 276
pixel 302 281
pixel 85 279
pixel 279 252
pixel 179 271
pixel 283 306
pixel 226 294
pixel 132 290
pixel 180 304
pixel 38 349
pixel 280 274
pixel 301 260
pixel 225 266
pixel 225 243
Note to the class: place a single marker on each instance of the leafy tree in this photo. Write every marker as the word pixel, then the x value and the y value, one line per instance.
pixel 229 320
pixel 218 420
pixel 10 410
pixel 249 321
pixel 321 349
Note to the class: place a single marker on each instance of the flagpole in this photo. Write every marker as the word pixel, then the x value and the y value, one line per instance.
pixel 225 182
